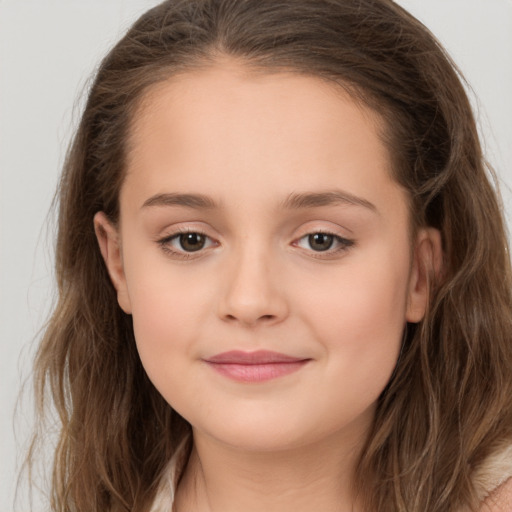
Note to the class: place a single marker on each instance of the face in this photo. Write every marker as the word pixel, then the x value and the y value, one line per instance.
pixel 265 254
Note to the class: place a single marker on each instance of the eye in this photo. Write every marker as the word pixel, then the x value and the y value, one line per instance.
pixel 186 242
pixel 191 242
pixel 323 242
pixel 320 241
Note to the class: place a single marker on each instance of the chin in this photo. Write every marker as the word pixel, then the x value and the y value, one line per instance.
pixel 274 433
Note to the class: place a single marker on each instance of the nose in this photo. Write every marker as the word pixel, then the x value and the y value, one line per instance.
pixel 254 292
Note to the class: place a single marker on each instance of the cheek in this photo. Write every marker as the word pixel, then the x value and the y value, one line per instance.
pixel 167 313
pixel 158 331
pixel 360 321
pixel 367 295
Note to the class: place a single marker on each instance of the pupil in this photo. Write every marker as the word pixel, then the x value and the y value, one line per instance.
pixel 320 241
pixel 192 241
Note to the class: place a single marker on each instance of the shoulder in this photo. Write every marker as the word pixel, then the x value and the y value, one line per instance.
pixel 493 481
pixel 500 500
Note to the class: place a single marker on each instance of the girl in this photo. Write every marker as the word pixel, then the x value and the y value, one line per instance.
pixel 283 276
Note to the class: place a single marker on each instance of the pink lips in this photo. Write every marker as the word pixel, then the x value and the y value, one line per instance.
pixel 256 366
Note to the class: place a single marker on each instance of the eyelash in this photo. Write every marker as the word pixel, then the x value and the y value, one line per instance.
pixel 343 244
pixel 185 255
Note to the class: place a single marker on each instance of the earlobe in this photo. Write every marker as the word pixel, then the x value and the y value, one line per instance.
pixel 426 267
pixel 109 243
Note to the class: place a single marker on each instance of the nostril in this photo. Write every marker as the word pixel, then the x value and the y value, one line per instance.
pixel 250 304
pixel 262 318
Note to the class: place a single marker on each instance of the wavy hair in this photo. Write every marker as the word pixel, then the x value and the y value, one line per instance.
pixel 448 405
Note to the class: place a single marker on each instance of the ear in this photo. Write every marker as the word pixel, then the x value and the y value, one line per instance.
pixel 110 247
pixel 427 261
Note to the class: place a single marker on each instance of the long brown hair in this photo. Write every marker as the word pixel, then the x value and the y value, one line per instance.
pixel 448 405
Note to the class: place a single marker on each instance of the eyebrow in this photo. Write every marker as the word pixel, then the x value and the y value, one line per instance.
pixel 294 201
pixel 197 201
pixel 330 198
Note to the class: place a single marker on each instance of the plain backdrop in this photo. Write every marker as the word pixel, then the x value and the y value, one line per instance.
pixel 48 51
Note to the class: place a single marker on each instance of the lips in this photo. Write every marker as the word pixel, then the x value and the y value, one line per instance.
pixel 258 366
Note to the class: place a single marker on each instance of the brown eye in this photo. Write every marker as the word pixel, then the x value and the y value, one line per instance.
pixel 324 245
pixel 320 241
pixel 191 242
pixel 187 244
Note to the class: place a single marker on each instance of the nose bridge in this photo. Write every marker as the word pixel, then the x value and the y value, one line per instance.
pixel 253 293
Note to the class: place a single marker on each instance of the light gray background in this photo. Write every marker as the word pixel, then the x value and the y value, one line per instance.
pixel 48 50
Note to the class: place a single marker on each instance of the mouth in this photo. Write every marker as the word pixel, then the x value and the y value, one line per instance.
pixel 258 366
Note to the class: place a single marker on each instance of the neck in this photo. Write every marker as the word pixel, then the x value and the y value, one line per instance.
pixel 303 479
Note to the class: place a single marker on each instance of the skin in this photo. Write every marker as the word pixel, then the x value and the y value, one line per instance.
pixel 248 141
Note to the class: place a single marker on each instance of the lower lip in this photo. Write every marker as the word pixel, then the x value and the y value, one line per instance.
pixel 257 372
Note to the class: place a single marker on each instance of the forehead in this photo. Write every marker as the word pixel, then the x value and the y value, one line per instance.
pixel 269 132
pixel 209 98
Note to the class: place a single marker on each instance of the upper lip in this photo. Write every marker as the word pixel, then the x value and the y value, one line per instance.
pixel 252 358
